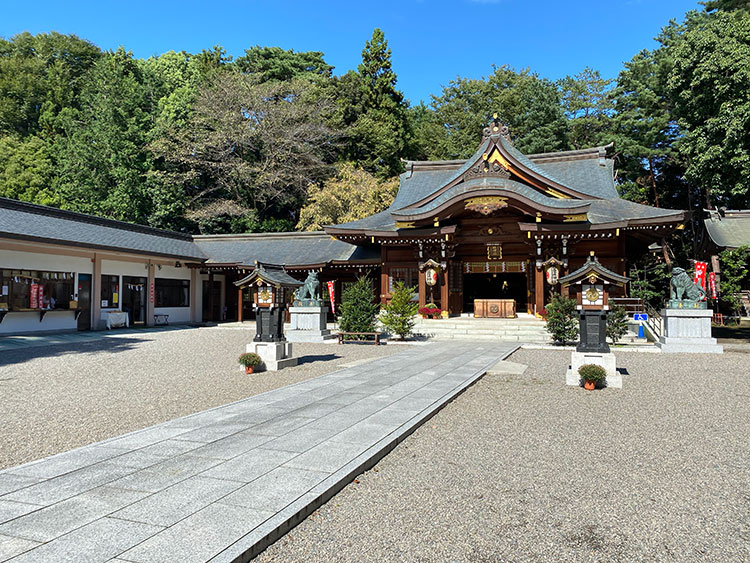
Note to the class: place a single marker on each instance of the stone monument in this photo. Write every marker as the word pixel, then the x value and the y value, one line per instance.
pixel 591 283
pixel 270 284
pixel 308 315
pixel 687 321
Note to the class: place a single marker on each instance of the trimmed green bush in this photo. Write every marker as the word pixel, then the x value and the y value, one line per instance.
pixel 562 320
pixel 358 307
pixel 249 359
pixel 398 315
pixel 592 372
pixel 617 323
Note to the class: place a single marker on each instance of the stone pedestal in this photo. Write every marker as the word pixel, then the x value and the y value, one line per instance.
pixel 275 355
pixel 688 331
pixel 308 324
pixel 605 359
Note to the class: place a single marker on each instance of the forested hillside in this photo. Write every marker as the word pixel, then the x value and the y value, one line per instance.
pixel 274 140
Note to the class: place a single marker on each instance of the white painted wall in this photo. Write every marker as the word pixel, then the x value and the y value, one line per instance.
pixel 28 321
pixel 176 314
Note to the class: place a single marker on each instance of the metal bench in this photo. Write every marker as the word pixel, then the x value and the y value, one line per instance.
pixel 342 336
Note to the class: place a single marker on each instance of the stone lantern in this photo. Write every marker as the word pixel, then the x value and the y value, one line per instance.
pixel 271 288
pixel 592 283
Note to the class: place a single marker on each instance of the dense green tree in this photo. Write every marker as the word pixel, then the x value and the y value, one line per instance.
pixel 27 170
pixel 251 150
pixel 588 107
pixel 275 63
pixel 39 76
pixel 373 112
pixel 709 86
pixel 562 321
pixel 528 105
pixel 102 159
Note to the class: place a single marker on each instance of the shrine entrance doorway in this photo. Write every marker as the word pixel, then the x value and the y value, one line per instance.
pixel 505 285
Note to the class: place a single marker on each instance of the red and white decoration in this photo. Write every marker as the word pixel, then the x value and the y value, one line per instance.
pixel 331 295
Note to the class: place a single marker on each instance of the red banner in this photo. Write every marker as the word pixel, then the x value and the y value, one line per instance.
pixel 34 296
pixel 712 284
pixel 330 294
pixel 700 274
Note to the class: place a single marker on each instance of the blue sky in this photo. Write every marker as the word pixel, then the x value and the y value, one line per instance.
pixel 433 42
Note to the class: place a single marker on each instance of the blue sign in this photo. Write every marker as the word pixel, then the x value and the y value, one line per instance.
pixel 640 317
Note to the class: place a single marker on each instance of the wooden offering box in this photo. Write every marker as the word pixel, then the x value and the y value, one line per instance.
pixel 495 308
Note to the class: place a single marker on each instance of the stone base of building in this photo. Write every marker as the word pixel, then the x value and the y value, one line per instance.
pixel 688 331
pixel 275 355
pixel 606 360
pixel 308 324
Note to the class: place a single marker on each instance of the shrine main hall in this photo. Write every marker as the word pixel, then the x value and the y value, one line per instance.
pixel 499 225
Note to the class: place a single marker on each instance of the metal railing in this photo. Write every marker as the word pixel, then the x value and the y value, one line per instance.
pixel 653 320
pixel 632 305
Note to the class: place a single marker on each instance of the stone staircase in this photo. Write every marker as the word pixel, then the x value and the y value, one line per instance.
pixel 525 328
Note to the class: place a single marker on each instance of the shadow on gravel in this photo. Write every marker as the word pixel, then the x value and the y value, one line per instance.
pixel 108 345
pixel 321 358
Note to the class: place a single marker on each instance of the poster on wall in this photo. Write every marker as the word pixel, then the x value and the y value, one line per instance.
pixel 700 274
pixel 331 295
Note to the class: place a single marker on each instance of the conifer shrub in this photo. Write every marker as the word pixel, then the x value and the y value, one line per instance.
pixel 398 315
pixel 358 307
pixel 562 321
pixel 617 323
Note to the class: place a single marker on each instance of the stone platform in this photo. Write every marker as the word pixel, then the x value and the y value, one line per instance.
pixel 223 484
pixel 688 331
pixel 308 324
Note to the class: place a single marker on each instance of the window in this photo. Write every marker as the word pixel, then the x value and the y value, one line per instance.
pixel 29 290
pixel 410 277
pixel 110 292
pixel 172 293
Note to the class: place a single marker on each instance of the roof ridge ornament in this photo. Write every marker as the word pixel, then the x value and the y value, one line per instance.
pixel 496 128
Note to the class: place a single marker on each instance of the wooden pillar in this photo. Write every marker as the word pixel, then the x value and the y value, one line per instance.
pixel 239 305
pixel 211 297
pixel 539 290
pixel 151 296
pixel 96 293
pixel 422 290
pixel 194 289
pixel 444 305
pixel 384 289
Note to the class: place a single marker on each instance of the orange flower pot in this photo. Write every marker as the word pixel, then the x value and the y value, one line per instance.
pixel 589 385
pixel 249 369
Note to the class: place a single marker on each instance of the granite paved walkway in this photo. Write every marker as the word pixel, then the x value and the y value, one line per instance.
pixel 221 485
pixel 11 343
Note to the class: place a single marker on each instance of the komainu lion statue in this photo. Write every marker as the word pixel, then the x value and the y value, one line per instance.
pixel 310 288
pixel 681 284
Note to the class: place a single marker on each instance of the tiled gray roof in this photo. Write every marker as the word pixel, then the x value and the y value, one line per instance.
pixel 592 265
pixel 286 249
pixel 614 210
pixel 380 222
pixel 26 221
pixel 730 231
pixel 585 175
pixel 506 185
pixel 269 273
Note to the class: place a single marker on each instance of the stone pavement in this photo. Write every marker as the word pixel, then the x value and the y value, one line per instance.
pixel 223 484
pixel 10 343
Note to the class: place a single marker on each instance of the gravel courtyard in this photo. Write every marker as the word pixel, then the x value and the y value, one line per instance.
pixel 56 398
pixel 524 468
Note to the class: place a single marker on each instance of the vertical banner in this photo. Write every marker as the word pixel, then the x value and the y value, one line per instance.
pixel 40 296
pixel 34 296
pixel 712 284
pixel 700 275
pixel 331 295
pixel 151 293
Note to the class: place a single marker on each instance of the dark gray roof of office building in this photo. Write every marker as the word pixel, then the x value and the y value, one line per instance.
pixel 26 221
pixel 286 249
